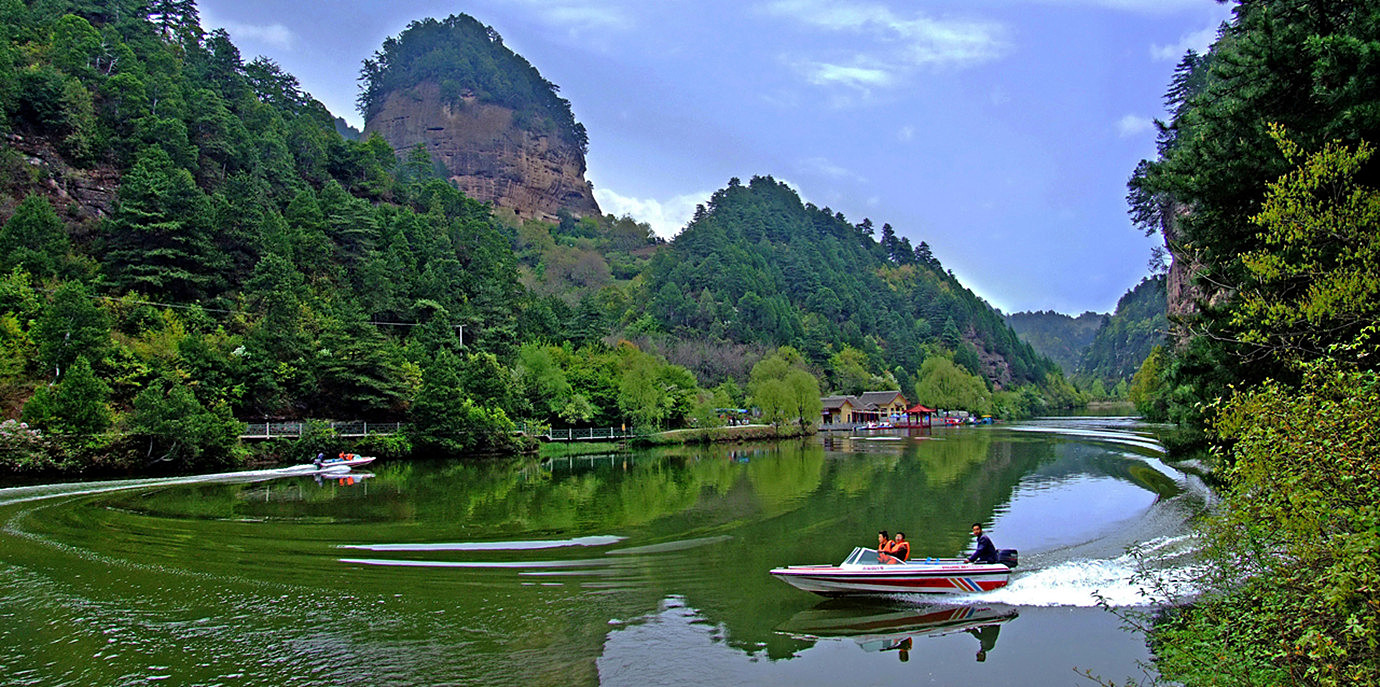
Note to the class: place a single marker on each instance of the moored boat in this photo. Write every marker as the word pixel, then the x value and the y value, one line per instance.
pixel 862 572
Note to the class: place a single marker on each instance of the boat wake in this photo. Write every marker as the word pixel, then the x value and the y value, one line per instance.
pixel 1156 571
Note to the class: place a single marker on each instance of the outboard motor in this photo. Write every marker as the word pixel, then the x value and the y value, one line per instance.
pixel 1007 557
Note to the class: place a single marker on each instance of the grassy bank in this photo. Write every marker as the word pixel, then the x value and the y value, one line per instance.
pixel 711 435
pixel 578 448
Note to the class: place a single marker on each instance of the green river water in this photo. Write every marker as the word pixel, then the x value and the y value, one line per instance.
pixel 637 568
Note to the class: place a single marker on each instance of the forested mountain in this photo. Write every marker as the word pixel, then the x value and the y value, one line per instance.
pixel 189 242
pixel 757 265
pixel 1126 338
pixel 1061 337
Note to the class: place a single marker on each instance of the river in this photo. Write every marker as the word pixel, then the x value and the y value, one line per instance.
pixel 637 568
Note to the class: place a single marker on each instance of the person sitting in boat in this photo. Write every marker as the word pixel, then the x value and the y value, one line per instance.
pixel 900 548
pixel 883 542
pixel 985 551
pixel 320 458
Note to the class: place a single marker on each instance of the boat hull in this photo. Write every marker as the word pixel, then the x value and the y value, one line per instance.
pixel 944 577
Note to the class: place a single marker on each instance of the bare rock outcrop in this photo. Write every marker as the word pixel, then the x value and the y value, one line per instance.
pixel 487 154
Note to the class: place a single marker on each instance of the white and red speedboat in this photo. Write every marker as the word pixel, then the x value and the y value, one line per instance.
pixel 863 573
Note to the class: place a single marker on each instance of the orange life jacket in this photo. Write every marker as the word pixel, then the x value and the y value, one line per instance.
pixel 901 550
pixel 887 547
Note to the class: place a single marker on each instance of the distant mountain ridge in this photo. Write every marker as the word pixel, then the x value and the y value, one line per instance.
pixel 1062 337
pixel 759 265
pixel 1122 344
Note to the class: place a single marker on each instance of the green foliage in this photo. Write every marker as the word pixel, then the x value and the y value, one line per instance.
pixel 81 404
pixel 24 449
pixel 1301 522
pixel 1315 281
pixel 783 388
pixel 446 422
pixel 1149 390
pixel 1061 337
pixel 1124 340
pixel 34 239
pixel 180 430
pixel 942 384
pixel 1306 67
pixel 761 268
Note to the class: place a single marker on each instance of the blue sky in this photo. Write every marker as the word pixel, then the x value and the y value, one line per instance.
pixel 1001 132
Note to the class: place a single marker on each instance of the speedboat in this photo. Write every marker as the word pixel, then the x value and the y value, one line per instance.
pixel 863 572
pixel 331 465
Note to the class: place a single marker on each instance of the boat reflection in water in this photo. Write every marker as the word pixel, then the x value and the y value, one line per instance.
pixel 893 626
pixel 348 478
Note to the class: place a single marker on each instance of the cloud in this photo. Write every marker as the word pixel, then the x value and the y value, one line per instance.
pixel 859 77
pixel 906 133
pixel 883 45
pixel 1138 6
pixel 580 16
pixel 824 167
pixel 1198 41
pixel 1134 125
pixel 666 217
pixel 273 35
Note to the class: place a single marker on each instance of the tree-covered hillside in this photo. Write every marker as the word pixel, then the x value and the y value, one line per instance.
pixel 758 265
pixel 1126 338
pixel 466 58
pixel 1265 190
pixel 1061 337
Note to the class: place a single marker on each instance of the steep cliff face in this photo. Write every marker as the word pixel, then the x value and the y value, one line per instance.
pixel 487 154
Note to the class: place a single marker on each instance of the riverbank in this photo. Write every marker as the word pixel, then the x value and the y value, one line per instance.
pixel 714 435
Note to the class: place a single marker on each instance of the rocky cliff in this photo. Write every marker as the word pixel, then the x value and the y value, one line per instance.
pixel 487 154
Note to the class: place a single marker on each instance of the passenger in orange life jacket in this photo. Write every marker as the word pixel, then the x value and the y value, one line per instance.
pixel 883 542
pixel 901 548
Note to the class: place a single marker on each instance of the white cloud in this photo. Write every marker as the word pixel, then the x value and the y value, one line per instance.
pixel 861 78
pixel 580 16
pixel 272 35
pixel 666 217
pixel 1134 125
pixel 907 133
pixel 1139 6
pixel 824 167
pixel 1198 41
pixel 883 45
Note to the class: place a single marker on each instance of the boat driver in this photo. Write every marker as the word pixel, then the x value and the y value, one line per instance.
pixel 985 551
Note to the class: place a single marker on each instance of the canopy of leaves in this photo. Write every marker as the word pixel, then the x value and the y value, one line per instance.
pixel 758 266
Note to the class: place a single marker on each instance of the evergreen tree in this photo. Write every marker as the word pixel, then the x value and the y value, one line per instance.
pixel 34 239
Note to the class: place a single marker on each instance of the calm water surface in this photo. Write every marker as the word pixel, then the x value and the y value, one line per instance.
pixel 640 568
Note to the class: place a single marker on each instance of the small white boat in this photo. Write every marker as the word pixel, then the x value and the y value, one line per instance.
pixel 862 572
pixel 331 465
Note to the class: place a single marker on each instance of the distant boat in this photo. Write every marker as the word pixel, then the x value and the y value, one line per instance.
pixel 330 465
pixel 863 573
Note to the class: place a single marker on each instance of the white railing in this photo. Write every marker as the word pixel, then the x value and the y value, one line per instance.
pixel 293 430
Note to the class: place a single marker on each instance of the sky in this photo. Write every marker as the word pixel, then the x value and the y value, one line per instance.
pixel 1000 132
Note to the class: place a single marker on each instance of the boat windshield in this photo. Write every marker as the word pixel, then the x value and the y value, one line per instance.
pixel 861 556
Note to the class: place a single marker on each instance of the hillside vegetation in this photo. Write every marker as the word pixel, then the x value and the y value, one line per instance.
pixel 1061 337
pixel 189 243
pixel 1265 192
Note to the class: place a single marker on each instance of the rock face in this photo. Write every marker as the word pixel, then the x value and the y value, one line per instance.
pixel 488 156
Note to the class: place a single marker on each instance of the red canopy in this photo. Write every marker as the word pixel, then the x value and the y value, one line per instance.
pixel 919 409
